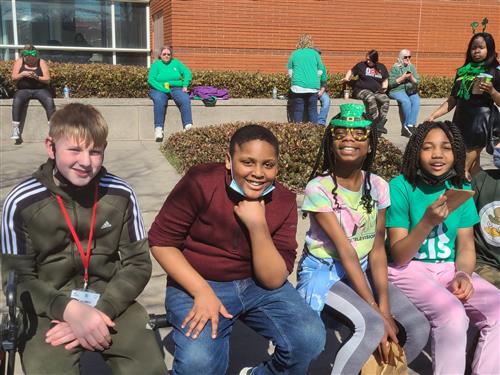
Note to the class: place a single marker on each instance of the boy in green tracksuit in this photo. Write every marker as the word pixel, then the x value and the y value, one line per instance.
pixel 74 235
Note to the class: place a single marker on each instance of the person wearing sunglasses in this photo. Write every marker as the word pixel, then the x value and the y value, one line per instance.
pixel 169 78
pixel 403 81
pixel 32 77
pixel 344 264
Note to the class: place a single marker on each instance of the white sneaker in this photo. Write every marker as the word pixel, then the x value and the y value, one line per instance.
pixel 246 371
pixel 158 134
pixel 15 133
pixel 188 127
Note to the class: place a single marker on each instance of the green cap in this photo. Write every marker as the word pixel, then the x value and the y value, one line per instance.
pixel 351 116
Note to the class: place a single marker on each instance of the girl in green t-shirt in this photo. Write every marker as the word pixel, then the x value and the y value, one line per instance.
pixel 433 251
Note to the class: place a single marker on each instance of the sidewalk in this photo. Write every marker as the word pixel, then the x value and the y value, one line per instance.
pixel 145 168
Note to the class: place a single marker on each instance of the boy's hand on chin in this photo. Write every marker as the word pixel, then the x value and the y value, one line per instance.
pixel 251 213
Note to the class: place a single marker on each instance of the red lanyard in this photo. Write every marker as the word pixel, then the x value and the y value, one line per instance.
pixel 85 256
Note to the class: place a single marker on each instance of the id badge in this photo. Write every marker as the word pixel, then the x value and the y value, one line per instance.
pixel 87 296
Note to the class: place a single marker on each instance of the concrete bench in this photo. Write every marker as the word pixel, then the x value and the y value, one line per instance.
pixel 132 119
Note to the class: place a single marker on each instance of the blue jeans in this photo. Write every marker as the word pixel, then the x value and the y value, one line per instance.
pixel 410 106
pixel 160 104
pixel 302 101
pixel 325 108
pixel 280 315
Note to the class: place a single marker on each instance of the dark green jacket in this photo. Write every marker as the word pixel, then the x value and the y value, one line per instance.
pixel 487 232
pixel 37 243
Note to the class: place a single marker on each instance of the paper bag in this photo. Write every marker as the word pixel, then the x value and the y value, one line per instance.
pixel 395 366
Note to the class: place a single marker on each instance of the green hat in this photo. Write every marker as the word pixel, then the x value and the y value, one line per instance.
pixel 351 116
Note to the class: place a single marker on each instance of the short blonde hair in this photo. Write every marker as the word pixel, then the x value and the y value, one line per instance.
pixel 80 122
pixel 305 41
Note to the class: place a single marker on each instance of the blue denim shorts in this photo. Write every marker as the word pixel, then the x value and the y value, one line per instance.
pixel 315 277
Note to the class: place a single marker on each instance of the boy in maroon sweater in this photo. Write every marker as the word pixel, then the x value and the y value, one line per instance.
pixel 226 238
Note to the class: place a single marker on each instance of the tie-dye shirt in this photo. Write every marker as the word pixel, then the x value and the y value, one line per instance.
pixel 359 225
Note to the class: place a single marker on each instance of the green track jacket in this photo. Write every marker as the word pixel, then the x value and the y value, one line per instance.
pixel 37 243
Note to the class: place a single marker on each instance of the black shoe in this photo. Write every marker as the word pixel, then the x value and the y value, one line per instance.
pixel 407 131
pixel 19 141
pixel 381 130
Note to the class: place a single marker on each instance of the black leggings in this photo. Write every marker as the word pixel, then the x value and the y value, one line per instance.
pixel 22 98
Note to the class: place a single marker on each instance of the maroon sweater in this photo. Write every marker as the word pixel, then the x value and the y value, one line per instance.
pixel 197 218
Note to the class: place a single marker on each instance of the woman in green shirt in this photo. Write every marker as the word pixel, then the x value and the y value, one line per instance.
pixel 169 78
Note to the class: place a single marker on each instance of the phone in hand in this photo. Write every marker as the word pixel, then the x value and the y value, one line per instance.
pixel 457 197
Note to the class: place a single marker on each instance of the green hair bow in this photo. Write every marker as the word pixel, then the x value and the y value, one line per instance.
pixel 31 52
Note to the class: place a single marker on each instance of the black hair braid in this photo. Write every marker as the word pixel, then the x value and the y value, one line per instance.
pixel 366 198
pixel 411 157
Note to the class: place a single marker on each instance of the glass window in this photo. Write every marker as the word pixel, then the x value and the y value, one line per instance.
pixel 64 22
pixel 6 30
pixel 130 58
pixel 7 54
pixel 80 57
pixel 130 24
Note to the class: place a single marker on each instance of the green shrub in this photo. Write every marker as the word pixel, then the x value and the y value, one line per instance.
pixel 119 81
pixel 299 145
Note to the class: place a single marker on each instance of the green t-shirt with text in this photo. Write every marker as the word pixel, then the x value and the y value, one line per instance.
pixel 408 206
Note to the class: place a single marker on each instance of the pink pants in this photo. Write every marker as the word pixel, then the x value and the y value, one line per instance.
pixel 427 286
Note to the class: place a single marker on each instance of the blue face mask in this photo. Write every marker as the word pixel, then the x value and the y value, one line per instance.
pixel 237 188
pixel 496 157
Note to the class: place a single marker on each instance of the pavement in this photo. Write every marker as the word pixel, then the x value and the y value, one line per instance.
pixel 145 168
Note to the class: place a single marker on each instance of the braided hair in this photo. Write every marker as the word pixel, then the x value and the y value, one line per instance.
pixel 328 166
pixel 411 157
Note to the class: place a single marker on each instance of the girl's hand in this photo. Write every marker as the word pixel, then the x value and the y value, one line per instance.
pixel 206 307
pixel 486 87
pixel 461 286
pixel 437 212
pixel 251 212
pixel 390 333
pixel 185 89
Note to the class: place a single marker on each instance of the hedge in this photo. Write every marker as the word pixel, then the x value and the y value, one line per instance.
pixel 120 81
pixel 298 149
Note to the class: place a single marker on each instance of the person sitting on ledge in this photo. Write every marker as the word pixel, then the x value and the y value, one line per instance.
pixel 32 77
pixel 169 78
pixel 226 238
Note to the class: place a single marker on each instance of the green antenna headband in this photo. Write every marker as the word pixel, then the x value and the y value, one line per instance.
pixel 475 24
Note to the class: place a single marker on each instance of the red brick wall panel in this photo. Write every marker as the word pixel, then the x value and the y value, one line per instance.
pixel 260 35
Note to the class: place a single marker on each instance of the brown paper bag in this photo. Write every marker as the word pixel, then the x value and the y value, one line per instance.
pixel 395 366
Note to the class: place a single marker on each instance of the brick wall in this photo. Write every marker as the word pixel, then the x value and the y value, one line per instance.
pixel 260 35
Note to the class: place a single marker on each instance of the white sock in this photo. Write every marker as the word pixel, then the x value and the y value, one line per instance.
pixel 15 124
